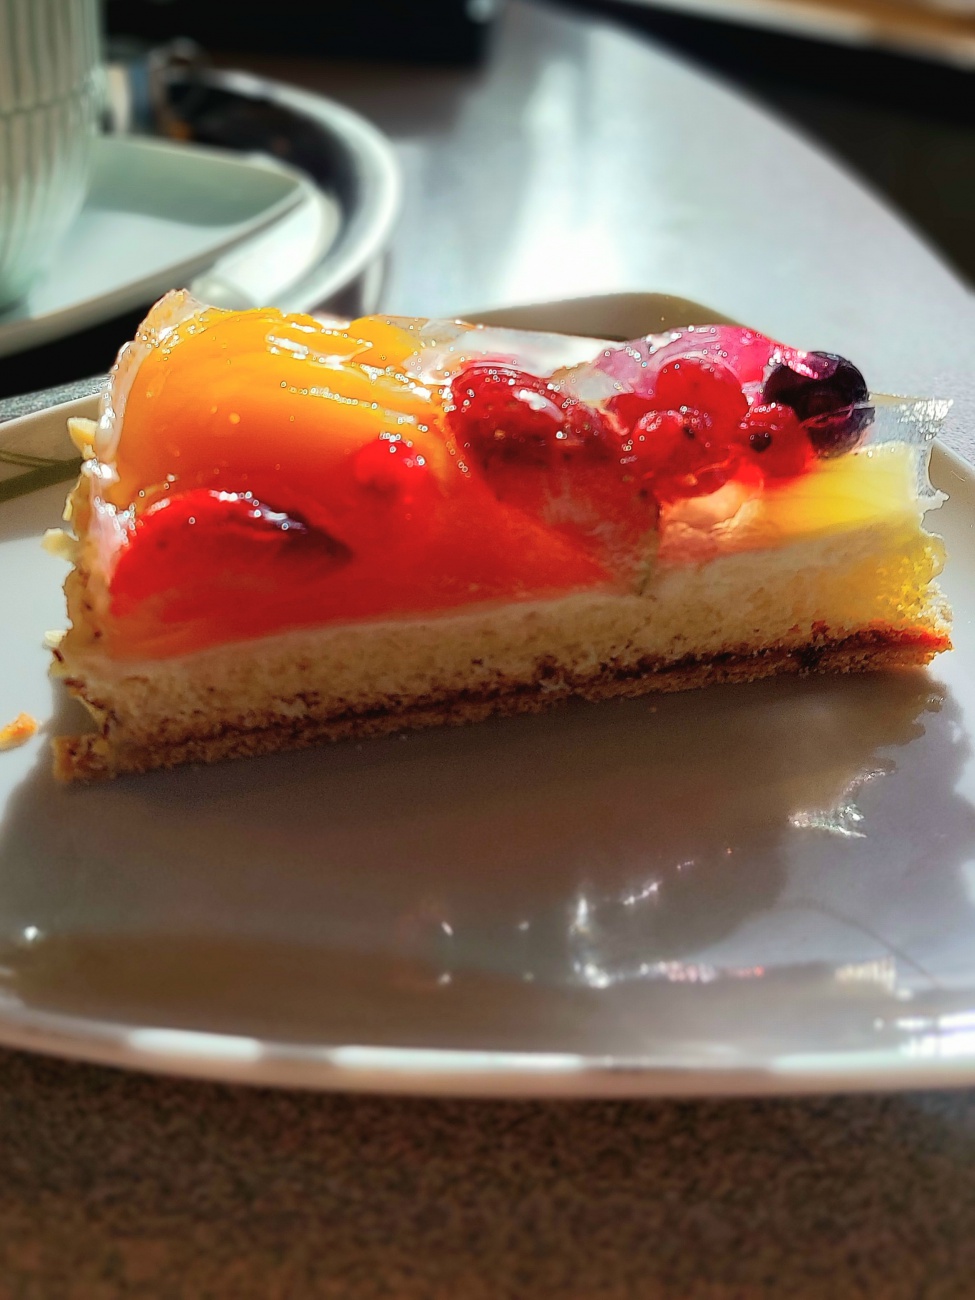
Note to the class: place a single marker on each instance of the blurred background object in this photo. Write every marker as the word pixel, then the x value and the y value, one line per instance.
pixel 491 132
pixel 888 86
pixel 295 211
pixel 428 31
pixel 936 29
pixel 328 254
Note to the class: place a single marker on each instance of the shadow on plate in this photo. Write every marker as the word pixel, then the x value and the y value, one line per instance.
pixel 542 877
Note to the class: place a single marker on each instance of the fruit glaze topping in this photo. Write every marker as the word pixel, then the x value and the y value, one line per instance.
pixel 262 472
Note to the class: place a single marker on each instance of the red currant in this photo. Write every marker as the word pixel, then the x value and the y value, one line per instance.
pixel 501 412
pixel 676 454
pixel 772 438
pixel 704 385
pixel 586 426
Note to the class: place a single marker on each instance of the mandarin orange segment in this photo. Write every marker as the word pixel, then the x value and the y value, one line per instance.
pixel 256 401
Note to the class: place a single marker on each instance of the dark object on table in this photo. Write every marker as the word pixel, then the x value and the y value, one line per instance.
pixel 434 31
pixel 195 103
pixel 75 357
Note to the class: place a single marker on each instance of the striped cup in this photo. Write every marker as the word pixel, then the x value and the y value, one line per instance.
pixel 50 92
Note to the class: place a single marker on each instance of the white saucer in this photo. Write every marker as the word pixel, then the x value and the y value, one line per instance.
pixel 157 215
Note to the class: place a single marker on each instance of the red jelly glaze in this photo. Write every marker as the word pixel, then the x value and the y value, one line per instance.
pixel 624 409
pixel 550 455
pixel 244 543
pixel 203 567
pixel 538 494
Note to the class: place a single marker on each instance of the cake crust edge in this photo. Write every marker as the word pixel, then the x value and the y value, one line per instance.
pixel 93 756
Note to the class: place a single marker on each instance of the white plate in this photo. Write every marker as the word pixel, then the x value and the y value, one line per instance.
pixel 266 269
pixel 757 889
pixel 157 214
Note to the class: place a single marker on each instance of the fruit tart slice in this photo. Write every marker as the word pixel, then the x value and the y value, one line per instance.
pixel 286 532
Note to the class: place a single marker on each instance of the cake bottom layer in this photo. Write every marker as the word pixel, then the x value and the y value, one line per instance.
pixel 294 725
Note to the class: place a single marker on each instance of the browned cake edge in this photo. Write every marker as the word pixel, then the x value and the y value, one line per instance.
pixel 93 756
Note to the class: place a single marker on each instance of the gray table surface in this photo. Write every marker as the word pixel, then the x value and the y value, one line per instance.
pixel 118 1185
pixel 579 161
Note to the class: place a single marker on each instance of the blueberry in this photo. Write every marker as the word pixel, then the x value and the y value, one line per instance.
pixel 830 399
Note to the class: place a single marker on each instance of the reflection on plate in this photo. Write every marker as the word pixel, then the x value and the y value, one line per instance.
pixel 762 888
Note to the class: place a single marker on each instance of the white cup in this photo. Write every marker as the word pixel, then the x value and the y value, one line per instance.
pixel 50 93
